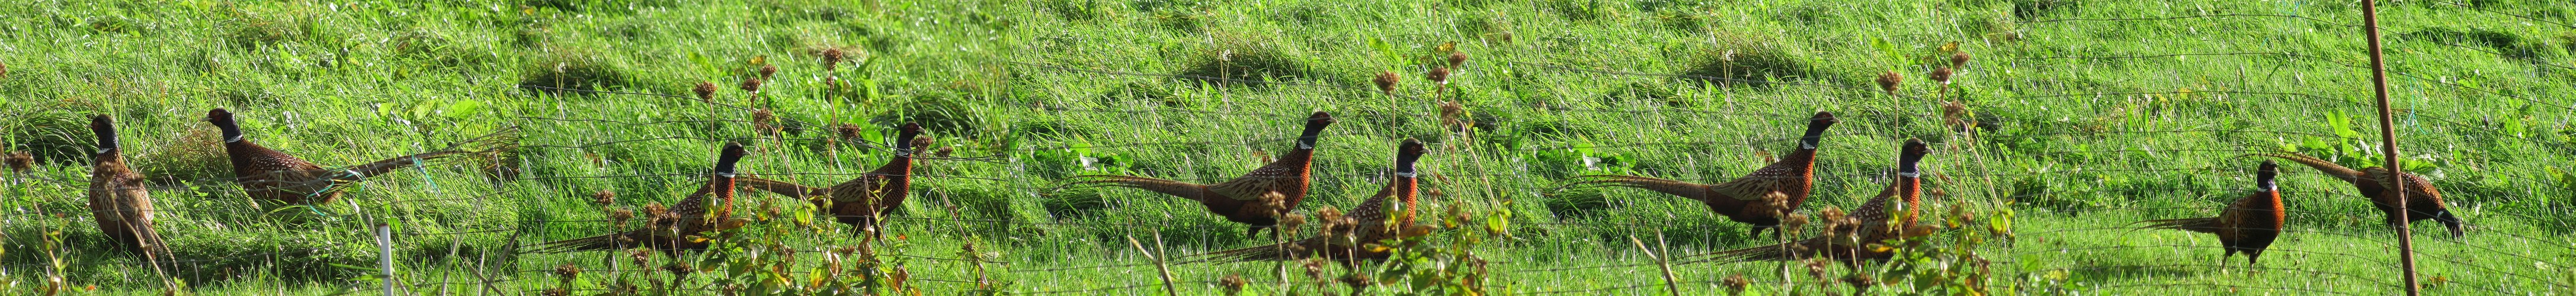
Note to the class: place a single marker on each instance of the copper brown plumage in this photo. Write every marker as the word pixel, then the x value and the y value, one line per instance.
pixel 118 199
pixel 1759 198
pixel 1367 224
pixel 1257 198
pixel 863 201
pixel 676 230
pixel 2422 200
pixel 2249 225
pixel 1890 215
pixel 271 175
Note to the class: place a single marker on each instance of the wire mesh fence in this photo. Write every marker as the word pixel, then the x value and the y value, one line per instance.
pixel 2062 169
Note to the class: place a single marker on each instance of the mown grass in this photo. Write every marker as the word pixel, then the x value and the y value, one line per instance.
pixel 2084 123
pixel 2089 116
pixel 344 83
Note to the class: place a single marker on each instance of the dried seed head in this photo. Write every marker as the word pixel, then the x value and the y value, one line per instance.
pixel 1454 115
pixel 848 131
pixel 1735 284
pixel 1233 284
pixel 640 256
pixel 1956 114
pixel 567 271
pixel 604 197
pixel 21 162
pixel 767 71
pixel 1941 75
pixel 751 85
pixel 1438 75
pixel 1292 220
pixel 943 151
pixel 832 58
pixel 557 291
pixel 1959 60
pixel 1314 269
pixel 706 91
pixel 1887 82
pixel 1457 59
pixel 620 215
pixel 1777 200
pixel 1794 221
pixel 1816 269
pixel 1386 82
pixel 1456 215
pixel 656 209
pixel 764 121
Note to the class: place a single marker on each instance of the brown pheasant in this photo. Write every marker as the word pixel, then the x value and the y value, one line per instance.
pixel 1257 198
pixel 1873 222
pixel 1759 198
pixel 118 200
pixel 676 230
pixel 2422 200
pixel 2249 225
pixel 859 202
pixel 1370 223
pixel 271 175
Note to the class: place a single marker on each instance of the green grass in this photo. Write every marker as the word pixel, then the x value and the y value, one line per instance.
pixel 2093 115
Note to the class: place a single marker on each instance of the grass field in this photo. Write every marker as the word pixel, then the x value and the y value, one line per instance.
pixel 2081 118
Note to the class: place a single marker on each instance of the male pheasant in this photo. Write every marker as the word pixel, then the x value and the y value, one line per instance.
pixel 859 202
pixel 1873 222
pixel 2249 225
pixel 1351 241
pixel 118 200
pixel 271 175
pixel 675 231
pixel 1759 198
pixel 2422 201
pixel 1257 198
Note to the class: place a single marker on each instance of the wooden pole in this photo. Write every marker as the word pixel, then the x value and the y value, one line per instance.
pixel 2388 145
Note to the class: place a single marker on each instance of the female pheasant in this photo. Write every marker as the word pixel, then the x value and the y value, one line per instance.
pixel 271 175
pixel 1760 198
pixel 1873 222
pixel 1257 198
pixel 2249 225
pixel 2422 201
pixel 118 200
pixel 1368 223
pixel 672 232
pixel 859 202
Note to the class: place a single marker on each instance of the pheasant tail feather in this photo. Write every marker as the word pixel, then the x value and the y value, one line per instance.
pixel 2338 171
pixel 2201 225
pixel 496 143
pixel 1191 191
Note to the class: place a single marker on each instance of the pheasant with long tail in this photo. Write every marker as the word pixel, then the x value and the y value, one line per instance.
pixel 1759 198
pixel 2249 225
pixel 1357 238
pixel 1258 198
